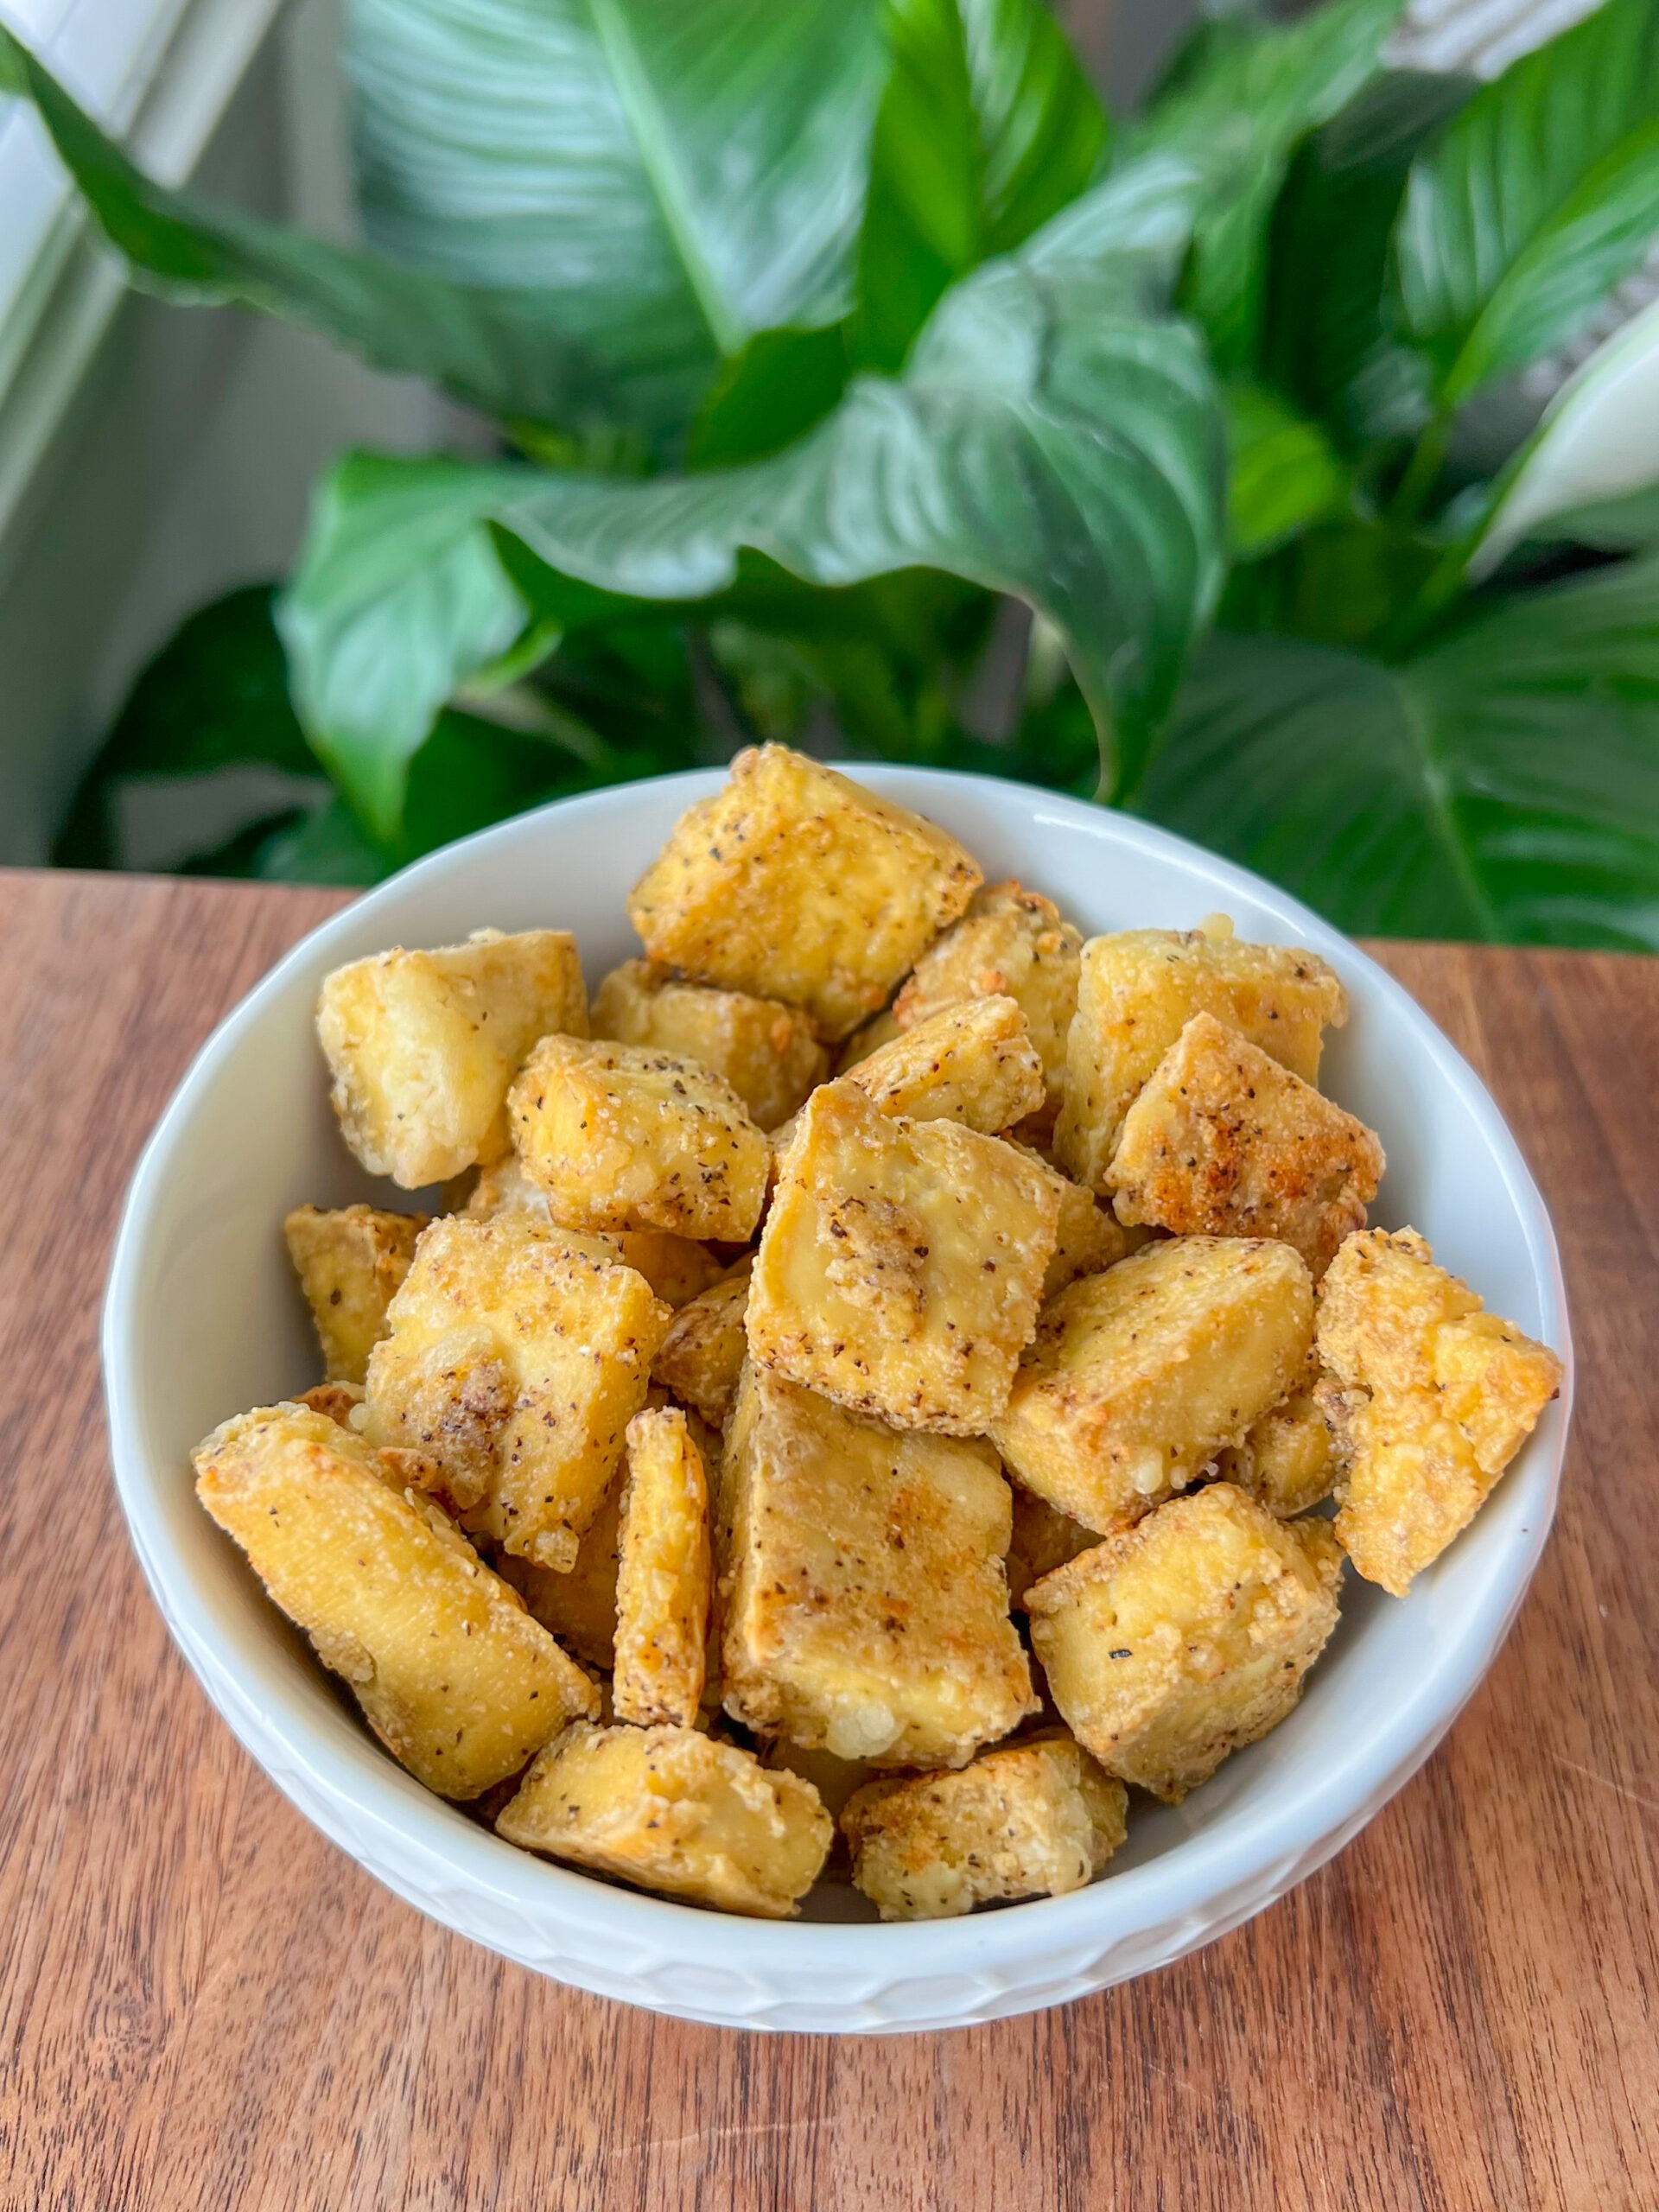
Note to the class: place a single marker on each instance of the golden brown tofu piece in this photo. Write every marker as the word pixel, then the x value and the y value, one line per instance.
pixel 670 1810
pixel 423 1045
pixel 973 1063
pixel 703 1352
pixel 767 1051
pixel 902 1264
pixel 1033 1819
pixel 349 1264
pixel 1174 1644
pixel 516 1362
pixel 868 1038
pixel 1222 1142
pixel 1011 943
pixel 1434 1397
pixel 338 1401
pixel 1089 1237
pixel 620 1137
pixel 677 1267
pixel 662 1590
pixel 1138 991
pixel 1137 1377
pixel 579 1607
pixel 1287 1461
pixel 452 1674
pixel 1044 1538
pixel 862 1588
pixel 795 883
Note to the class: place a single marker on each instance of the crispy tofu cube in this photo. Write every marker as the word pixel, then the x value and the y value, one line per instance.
pixel 662 1590
pixel 452 1674
pixel 1434 1397
pixel 579 1607
pixel 620 1137
pixel 703 1352
pixel 1222 1142
pixel 1011 943
pixel 677 1267
pixel 902 1264
pixel 1089 1237
pixel 1044 1538
pixel 1287 1461
pixel 349 1264
pixel 973 1063
pixel 670 1810
pixel 795 883
pixel 1171 1645
pixel 767 1051
pixel 515 1363
pixel 1137 1377
pixel 863 1595
pixel 1033 1819
pixel 422 1046
pixel 868 1038
pixel 1138 991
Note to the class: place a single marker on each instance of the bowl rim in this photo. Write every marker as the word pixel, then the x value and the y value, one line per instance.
pixel 364 1784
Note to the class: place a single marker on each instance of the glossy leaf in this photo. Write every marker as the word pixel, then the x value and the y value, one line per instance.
pixel 1282 473
pixel 773 392
pixel 1503 784
pixel 1539 197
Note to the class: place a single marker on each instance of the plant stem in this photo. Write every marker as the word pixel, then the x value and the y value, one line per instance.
pixel 1422 470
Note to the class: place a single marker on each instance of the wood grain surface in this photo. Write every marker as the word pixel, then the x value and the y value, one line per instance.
pixel 202 2004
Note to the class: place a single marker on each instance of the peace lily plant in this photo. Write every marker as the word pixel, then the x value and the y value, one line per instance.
pixel 860 383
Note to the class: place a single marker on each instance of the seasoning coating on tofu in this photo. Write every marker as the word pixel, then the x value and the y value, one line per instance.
pixel 1011 943
pixel 618 1136
pixel 578 1606
pixel 794 883
pixel 453 1676
pixel 677 1267
pixel 975 1063
pixel 1137 1377
pixel 663 1587
pixel 1138 990
pixel 422 1046
pixel 862 1590
pixel 703 1352
pixel 1287 1461
pixel 670 1810
pixel 902 1264
pixel 349 1264
pixel 1431 1398
pixel 869 1036
pixel 1043 1539
pixel 515 1363
pixel 767 1051
pixel 1089 1237
pixel 1169 1646
pixel 1222 1142
pixel 1033 1819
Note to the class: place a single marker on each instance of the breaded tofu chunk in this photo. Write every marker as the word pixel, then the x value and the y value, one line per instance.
pixel 677 1267
pixel 902 1264
pixel 452 1674
pixel 1043 1539
pixel 349 1264
pixel 661 1590
pixel 1222 1142
pixel 622 1137
pixel 1287 1461
pixel 703 1352
pixel 973 1063
pixel 670 1810
pixel 578 1606
pixel 1033 1819
pixel 1171 1645
pixel 767 1051
pixel 1011 943
pixel 1434 1397
pixel 868 1037
pixel 1137 1377
pixel 515 1363
pixel 862 1590
pixel 1138 990
pixel 1089 1237
pixel 795 883
pixel 423 1045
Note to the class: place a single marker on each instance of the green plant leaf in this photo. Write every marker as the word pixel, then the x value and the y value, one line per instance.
pixel 1503 784
pixel 513 353
pixel 679 178
pixel 988 127
pixel 773 392
pixel 1283 474
pixel 1243 99
pixel 1536 201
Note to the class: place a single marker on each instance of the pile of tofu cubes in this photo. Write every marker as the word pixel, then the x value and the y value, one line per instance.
pixel 868 1377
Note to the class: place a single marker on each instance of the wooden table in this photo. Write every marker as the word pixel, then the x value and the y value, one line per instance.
pixel 203 2004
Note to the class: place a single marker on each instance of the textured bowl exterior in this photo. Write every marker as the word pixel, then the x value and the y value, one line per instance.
pixel 201 1320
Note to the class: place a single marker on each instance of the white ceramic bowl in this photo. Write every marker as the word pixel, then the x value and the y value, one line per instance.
pixel 202 1320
